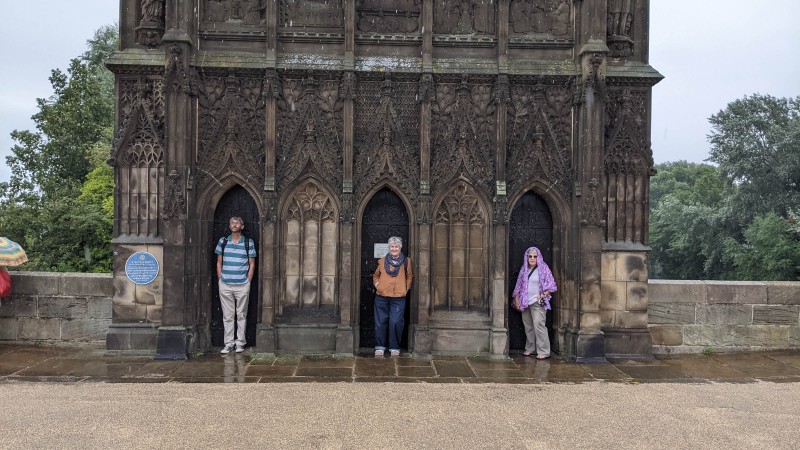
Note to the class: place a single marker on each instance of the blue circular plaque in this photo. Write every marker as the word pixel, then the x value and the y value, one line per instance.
pixel 141 268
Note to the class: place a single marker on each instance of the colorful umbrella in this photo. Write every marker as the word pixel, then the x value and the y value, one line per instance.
pixel 11 254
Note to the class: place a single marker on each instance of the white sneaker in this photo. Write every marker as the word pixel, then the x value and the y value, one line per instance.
pixel 227 349
pixel 239 348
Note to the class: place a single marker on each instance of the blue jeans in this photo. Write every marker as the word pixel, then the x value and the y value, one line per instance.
pixel 389 318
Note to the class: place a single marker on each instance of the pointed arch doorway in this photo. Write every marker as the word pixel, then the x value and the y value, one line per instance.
pixel 384 216
pixel 236 202
pixel 531 225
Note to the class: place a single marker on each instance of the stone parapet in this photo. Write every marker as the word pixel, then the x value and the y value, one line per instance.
pixel 53 307
pixel 723 316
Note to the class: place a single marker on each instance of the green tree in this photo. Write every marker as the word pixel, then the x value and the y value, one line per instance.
pixel 756 142
pixel 735 220
pixel 59 196
pixel 771 250
pixel 688 182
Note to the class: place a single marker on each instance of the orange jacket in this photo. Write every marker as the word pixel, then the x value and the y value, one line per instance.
pixel 389 286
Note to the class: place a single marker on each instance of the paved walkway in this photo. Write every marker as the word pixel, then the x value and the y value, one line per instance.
pixel 80 365
pixel 78 398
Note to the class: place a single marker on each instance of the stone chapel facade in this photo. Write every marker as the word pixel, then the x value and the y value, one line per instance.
pixel 472 128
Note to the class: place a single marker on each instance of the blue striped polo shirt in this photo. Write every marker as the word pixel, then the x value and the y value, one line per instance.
pixel 235 262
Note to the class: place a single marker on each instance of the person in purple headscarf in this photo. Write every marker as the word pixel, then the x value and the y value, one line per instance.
pixel 532 294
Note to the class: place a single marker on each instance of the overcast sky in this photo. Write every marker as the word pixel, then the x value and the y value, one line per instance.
pixel 711 52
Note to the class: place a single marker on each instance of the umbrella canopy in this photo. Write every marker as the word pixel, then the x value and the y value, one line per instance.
pixel 11 254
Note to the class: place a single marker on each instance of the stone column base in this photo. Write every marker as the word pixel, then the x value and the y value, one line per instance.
pixel 175 342
pixel 423 343
pixel 590 347
pixel 265 339
pixel 629 343
pixel 584 346
pixel 345 340
pixel 499 341
pixel 132 339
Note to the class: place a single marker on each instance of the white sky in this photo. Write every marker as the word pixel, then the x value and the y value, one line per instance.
pixel 710 51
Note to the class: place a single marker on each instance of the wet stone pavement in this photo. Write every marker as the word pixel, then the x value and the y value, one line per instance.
pixel 87 364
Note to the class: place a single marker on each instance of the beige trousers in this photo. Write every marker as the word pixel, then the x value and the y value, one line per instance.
pixel 536 338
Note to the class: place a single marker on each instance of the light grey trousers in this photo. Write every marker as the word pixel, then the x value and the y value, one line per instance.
pixel 536 338
pixel 234 298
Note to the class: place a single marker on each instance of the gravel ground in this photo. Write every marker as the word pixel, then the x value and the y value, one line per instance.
pixel 400 415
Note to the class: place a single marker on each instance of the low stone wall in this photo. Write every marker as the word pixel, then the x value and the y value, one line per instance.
pixel 684 316
pixel 57 307
pixel 723 316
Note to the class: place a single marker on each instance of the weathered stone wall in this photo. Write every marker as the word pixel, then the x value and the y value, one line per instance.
pixel 53 307
pixel 723 316
pixel 684 316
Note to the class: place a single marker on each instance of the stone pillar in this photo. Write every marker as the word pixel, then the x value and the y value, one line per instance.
pixel 345 339
pixel 499 290
pixel 265 331
pixel 176 336
pixel 423 343
pixel 589 341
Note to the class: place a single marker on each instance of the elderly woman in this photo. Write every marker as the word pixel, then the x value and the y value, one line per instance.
pixel 392 280
pixel 532 292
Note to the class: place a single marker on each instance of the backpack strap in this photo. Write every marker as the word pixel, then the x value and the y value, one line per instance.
pixel 222 245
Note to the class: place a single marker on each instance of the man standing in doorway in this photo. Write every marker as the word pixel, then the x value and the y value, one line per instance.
pixel 235 266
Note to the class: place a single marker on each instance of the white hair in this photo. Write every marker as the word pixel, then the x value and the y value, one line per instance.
pixel 396 240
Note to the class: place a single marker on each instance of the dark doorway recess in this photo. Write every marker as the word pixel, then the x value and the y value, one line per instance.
pixel 384 217
pixel 236 202
pixel 531 225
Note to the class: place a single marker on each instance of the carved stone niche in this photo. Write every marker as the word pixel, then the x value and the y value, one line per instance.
pixel 151 23
pixel 310 14
pixel 238 13
pixel 620 19
pixel 471 17
pixel 545 17
pixel 388 16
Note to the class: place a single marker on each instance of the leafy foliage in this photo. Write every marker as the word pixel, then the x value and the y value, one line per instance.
pixel 734 220
pixel 58 202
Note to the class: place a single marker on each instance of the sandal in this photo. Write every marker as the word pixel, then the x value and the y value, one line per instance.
pixel 395 353
pixel 378 353
pixel 542 356
pixel 527 354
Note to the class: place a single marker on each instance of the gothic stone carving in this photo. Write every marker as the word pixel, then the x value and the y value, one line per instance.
pixel 311 13
pixel 177 75
pixel 174 198
pixel 310 252
pixel 464 17
pixel 538 130
pixel 460 258
pixel 139 155
pixel 551 17
pixel 388 16
pixel 311 128
pixel 463 134
pixel 231 128
pixel 592 214
pixel 140 137
pixel 247 12
pixel 151 25
pixel 627 146
pixel 628 165
pixel 386 136
pixel 620 19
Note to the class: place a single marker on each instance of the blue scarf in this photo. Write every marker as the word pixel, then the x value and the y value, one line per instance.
pixel 392 265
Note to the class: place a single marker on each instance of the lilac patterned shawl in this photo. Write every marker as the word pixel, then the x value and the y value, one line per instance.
pixel 546 281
